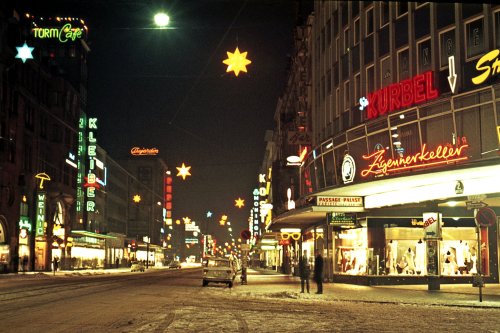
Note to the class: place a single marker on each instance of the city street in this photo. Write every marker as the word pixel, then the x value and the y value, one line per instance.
pixel 175 301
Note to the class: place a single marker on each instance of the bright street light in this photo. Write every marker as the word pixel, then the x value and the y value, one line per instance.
pixel 161 20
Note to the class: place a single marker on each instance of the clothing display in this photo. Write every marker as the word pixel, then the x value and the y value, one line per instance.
pixel 410 261
pixel 420 257
pixel 392 256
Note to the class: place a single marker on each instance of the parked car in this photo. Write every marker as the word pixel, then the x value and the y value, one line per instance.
pixel 175 264
pixel 219 270
pixel 137 266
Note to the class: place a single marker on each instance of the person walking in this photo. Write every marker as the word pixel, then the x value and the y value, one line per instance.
pixel 55 263
pixel 304 271
pixel 318 271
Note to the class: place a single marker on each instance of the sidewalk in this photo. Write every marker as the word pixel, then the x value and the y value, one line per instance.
pixel 265 283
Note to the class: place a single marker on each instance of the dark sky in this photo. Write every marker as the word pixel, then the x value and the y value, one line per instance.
pixel 169 89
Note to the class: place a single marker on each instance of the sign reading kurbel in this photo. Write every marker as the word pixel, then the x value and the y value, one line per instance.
pixel 331 201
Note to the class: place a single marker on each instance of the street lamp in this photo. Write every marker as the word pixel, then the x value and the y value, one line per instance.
pixel 161 20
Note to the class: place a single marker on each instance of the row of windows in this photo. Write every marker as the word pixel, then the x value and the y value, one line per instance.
pixel 469 117
pixel 337 91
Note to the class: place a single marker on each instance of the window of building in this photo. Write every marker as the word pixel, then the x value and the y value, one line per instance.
pixel 357 88
pixel 496 30
pixel 347 97
pixel 402 8
pixel 346 40
pixel 323 40
pixel 337 50
pixel 403 64
pixel 357 36
pixel 369 21
pixel 384 13
pixel 474 38
pixel 329 82
pixel 385 72
pixel 370 79
pixel 337 102
pixel 329 31
pixel 446 47
pixel 424 56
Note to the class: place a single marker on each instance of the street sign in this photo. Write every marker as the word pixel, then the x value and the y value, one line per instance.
pixel 486 217
pixel 475 204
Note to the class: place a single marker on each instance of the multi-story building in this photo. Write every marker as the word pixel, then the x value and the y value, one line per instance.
pixel 401 184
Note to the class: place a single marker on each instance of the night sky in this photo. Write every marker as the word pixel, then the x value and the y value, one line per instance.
pixel 169 89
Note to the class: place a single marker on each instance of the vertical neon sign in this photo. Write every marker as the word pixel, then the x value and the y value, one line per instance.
pixel 168 198
pixel 81 153
pixel 40 214
pixel 92 154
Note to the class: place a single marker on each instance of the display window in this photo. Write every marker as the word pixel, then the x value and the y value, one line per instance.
pixel 458 251
pixel 351 254
pixel 405 251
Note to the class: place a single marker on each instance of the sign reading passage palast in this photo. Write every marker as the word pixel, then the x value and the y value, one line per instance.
pixel 331 201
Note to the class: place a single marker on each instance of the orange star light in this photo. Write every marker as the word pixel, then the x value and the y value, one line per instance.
pixel 236 62
pixel 239 202
pixel 184 171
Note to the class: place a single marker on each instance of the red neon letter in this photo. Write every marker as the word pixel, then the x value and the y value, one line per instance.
pixel 383 101
pixel 371 110
pixel 429 85
pixel 395 97
pixel 418 88
pixel 406 93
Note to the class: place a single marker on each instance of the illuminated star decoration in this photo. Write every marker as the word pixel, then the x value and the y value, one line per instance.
pixel 24 52
pixel 239 202
pixel 236 62
pixel 209 214
pixel 223 220
pixel 137 198
pixel 186 220
pixel 184 171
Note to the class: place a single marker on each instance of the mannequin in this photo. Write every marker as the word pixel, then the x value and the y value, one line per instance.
pixel 410 260
pixel 391 255
pixel 420 257
pixel 460 256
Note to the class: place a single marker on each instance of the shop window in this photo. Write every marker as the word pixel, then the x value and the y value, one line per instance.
pixel 403 65
pixel 446 47
pixel 476 124
pixel 474 38
pixel 424 56
pixel 458 249
pixel 351 252
pixel 405 140
pixel 378 141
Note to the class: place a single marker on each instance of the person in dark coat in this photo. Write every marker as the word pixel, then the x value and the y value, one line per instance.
pixel 318 271
pixel 304 271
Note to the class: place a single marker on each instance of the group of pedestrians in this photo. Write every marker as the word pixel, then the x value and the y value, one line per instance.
pixel 305 271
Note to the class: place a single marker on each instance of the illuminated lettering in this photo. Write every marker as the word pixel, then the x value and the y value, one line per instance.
pixel 441 155
pixel 92 151
pixel 93 123
pixel 67 32
pixel 417 90
pixel 482 65
pixel 90 206
pixel 144 151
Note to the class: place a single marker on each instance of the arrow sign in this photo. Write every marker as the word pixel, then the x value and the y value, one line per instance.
pixel 452 78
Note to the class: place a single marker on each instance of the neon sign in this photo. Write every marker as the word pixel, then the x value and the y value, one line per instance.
pixel 400 95
pixel 144 151
pixel 488 70
pixel 67 32
pixel 425 158
pixel 91 183
pixel 40 214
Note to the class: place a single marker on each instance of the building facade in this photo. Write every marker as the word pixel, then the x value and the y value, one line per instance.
pixel 404 163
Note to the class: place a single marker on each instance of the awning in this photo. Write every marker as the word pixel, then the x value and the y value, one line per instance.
pixel 92 234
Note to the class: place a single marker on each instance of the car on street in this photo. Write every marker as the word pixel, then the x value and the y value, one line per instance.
pixel 137 266
pixel 218 270
pixel 174 264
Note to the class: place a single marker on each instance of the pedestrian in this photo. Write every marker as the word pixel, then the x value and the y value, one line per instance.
pixel 117 261
pixel 304 271
pixel 318 271
pixel 55 263
pixel 25 263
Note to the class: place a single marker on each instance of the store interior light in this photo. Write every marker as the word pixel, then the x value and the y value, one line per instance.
pixel 395 135
pixel 293 159
pixel 290 230
pixel 397 143
pixel 452 203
